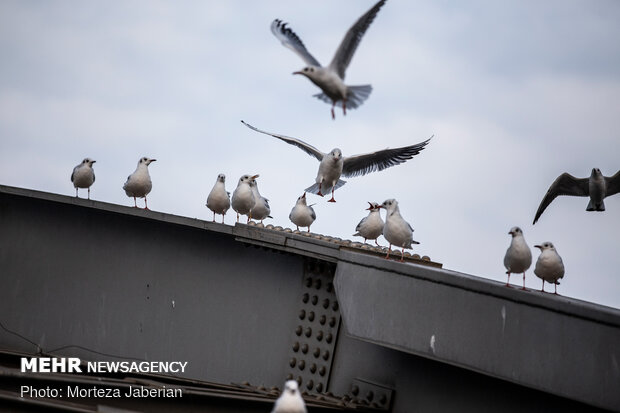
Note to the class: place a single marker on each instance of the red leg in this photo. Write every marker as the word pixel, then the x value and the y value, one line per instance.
pixel 344 107
pixel 543 288
pixel 320 184
pixel 135 204
pixel 237 217
pixel 76 192
pixel 222 218
pixel 88 193
pixel 214 217
pixel 556 289
pixel 389 250
pixel 333 114
pixel 508 282
pixel 332 200
pixel 402 255
pixel 146 206
pixel 523 281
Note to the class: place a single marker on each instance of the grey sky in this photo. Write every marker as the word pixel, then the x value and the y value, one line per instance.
pixel 514 92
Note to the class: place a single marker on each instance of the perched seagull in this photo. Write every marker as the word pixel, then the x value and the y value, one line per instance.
pixel 139 183
pixel 290 401
pixel 371 226
pixel 518 257
pixel 333 164
pixel 302 215
pixel 243 199
pixel 261 209
pixel 396 230
pixel 330 79
pixel 597 187
pixel 218 200
pixel 549 266
pixel 83 175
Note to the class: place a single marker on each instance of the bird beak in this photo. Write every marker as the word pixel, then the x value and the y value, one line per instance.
pixel 538 246
pixel 93 161
pixel 255 176
pixel 297 73
pixel 304 195
pixel 152 160
pixel 370 207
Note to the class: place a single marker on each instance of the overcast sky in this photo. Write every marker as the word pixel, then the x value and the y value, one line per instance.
pixel 515 93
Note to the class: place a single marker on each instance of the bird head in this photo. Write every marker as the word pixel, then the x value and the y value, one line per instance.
pixel 302 199
pixel 514 231
pixel 88 161
pixel 336 154
pixel 221 178
pixel 545 246
pixel 145 161
pixel 291 386
pixel 373 206
pixel 310 72
pixel 247 178
pixel 596 172
pixel 389 205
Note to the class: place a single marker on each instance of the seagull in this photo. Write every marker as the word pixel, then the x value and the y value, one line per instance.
pixel 261 209
pixel 290 401
pixel 218 200
pixel 139 183
pixel 243 199
pixel 330 79
pixel 371 226
pixel 396 230
pixel 518 257
pixel 83 175
pixel 333 164
pixel 302 215
pixel 549 266
pixel 597 187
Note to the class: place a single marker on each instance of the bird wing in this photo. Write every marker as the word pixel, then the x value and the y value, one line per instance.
pixel 613 184
pixel 565 184
pixel 292 41
pixel 309 149
pixel 380 160
pixel 352 39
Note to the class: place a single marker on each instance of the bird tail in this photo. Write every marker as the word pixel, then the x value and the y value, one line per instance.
pixel 357 96
pixel 595 207
pixel 314 189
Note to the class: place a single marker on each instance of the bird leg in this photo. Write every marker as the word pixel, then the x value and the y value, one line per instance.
pixel 319 194
pixel 308 228
pixel 543 288
pixel 332 200
pixel 76 192
pixel 237 217
pixel 523 281
pixel 344 107
pixel 222 217
pixel 556 289
pixel 249 216
pixel 146 206
pixel 508 282
pixel 402 255
pixel 388 252
pixel 135 204
pixel 88 192
pixel 333 114
pixel 214 216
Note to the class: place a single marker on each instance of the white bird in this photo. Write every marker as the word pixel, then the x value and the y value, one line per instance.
pixel 218 200
pixel 333 165
pixel 83 175
pixel 290 401
pixel 396 230
pixel 597 187
pixel 139 183
pixel 549 266
pixel 261 209
pixel 302 215
pixel 371 226
pixel 243 199
pixel 518 256
pixel 330 79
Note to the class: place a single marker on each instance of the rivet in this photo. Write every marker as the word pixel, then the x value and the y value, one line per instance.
pixel 289 376
pixel 305 298
pixel 335 306
pixel 322 370
pixel 298 330
pixel 313 368
pixel 292 362
pixel 329 337
pixel 302 314
pixel 330 287
pixel 319 387
pixel 317 284
pixel 308 332
pixel 317 352
pixel 383 399
pixel 355 390
pixel 301 365
pixel 325 303
pixel 325 355
pixel 311 316
pixel 332 321
pixel 315 299
pixel 370 395
pixel 319 335
pixel 299 380
pixel 296 346
pixel 310 385
pixel 304 348
pixel 309 282
pixel 323 319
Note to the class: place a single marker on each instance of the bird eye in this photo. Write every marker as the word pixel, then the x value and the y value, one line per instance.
pixel 305 69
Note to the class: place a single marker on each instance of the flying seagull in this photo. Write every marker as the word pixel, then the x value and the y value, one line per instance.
pixel 597 187
pixel 333 164
pixel 330 79
pixel 139 183
pixel 549 266
pixel 83 175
